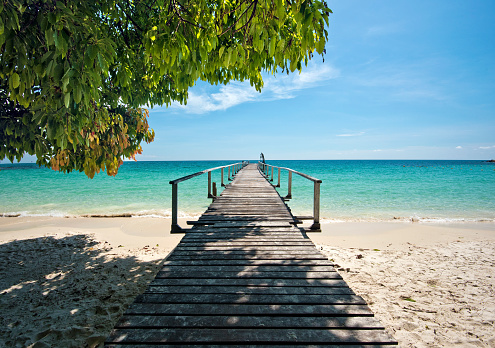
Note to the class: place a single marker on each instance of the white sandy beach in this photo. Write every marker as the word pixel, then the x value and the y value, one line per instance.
pixel 431 285
pixel 64 282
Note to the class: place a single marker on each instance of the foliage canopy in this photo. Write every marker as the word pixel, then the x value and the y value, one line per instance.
pixel 74 75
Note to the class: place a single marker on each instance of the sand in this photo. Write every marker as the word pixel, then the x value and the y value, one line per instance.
pixel 431 285
pixel 64 282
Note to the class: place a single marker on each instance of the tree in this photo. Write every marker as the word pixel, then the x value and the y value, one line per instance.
pixel 75 75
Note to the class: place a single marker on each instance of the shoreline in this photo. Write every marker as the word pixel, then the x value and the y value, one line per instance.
pixel 68 280
pixel 323 220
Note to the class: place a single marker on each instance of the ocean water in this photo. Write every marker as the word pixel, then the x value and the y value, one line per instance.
pixel 441 191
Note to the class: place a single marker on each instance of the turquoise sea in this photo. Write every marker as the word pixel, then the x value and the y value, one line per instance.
pixel 368 190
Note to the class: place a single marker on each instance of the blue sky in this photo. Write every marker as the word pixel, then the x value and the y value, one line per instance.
pixel 401 80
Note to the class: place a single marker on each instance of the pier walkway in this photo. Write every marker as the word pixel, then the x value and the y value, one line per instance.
pixel 245 275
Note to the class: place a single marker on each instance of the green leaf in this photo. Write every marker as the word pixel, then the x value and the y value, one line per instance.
pixel 320 46
pixel 58 71
pixel 15 80
pixel 114 71
pixel 52 18
pixel 65 80
pixel 16 18
pixel 60 4
pixel 49 37
pixel 77 93
pixel 67 100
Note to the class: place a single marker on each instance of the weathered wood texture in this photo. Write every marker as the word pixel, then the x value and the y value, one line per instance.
pixel 246 276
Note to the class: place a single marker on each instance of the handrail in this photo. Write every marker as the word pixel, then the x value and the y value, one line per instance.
pixel 212 189
pixel 301 174
pixel 265 170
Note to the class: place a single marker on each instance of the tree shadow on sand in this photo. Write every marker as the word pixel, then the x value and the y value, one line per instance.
pixel 65 292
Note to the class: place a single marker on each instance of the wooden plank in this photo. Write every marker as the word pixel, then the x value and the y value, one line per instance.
pixel 254 237
pixel 247 229
pixel 338 299
pixel 242 239
pixel 142 322
pixel 172 267
pixel 249 263
pixel 252 224
pixel 247 209
pixel 246 216
pixel 252 275
pixel 234 345
pixel 339 288
pixel 248 309
pixel 247 253
pixel 247 248
pixel 242 242
pixel 257 256
pixel 259 235
pixel 234 220
pixel 259 336
pixel 247 282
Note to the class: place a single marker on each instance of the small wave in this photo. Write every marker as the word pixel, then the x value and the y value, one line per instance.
pixel 33 214
pixel 411 219
pixel 141 214
pixel 167 214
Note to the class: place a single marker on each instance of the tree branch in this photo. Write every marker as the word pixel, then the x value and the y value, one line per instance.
pixel 130 18
pixel 255 3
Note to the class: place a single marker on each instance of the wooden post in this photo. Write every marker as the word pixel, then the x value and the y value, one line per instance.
pixel 222 184
pixel 289 195
pixel 209 185
pixel 214 188
pixel 316 208
pixel 272 175
pixel 229 175
pixel 175 226
pixel 278 184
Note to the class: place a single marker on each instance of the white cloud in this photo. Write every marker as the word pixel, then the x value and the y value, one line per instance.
pixel 350 134
pixel 458 147
pixel 285 86
pixel 275 88
pixel 227 97
pixel 487 147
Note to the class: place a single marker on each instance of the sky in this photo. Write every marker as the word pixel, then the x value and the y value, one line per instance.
pixel 401 80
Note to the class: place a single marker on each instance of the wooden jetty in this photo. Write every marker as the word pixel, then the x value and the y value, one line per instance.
pixel 246 276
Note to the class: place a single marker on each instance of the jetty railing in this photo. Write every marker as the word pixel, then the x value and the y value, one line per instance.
pixel 232 169
pixel 265 170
